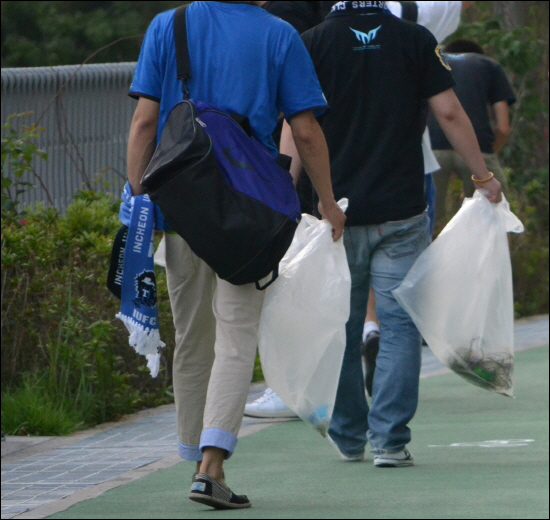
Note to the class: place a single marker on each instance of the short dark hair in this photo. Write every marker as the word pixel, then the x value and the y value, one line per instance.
pixel 461 46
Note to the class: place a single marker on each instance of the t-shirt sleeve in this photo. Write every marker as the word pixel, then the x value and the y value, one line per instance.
pixel 441 18
pixel 436 72
pixel 500 88
pixel 147 75
pixel 299 88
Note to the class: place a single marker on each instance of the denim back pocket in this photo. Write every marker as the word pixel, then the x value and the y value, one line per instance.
pixel 402 238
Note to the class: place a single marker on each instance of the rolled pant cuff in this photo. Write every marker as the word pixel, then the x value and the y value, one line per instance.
pixel 218 438
pixel 189 452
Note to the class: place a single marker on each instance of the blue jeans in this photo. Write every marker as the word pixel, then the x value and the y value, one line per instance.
pixel 380 256
pixel 430 196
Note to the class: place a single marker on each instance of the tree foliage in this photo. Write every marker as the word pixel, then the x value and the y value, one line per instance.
pixel 37 34
pixel 516 35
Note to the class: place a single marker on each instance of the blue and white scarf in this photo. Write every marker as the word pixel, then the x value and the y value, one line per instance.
pixel 139 305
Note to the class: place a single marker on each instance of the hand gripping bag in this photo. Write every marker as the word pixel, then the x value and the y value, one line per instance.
pixel 459 294
pixel 302 333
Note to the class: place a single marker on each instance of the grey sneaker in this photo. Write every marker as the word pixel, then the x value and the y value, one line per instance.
pixel 398 459
pixel 348 458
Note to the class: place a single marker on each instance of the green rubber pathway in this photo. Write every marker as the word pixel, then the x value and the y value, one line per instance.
pixel 288 471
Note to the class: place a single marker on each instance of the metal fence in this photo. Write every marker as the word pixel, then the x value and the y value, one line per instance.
pixel 86 126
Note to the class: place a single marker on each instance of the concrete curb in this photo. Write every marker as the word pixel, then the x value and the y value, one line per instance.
pixel 94 491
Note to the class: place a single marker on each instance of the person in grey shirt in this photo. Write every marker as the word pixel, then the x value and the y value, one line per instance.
pixel 481 87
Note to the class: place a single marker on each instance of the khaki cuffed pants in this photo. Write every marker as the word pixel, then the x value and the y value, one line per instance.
pixel 216 340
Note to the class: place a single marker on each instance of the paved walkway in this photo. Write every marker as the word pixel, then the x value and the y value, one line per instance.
pixel 34 486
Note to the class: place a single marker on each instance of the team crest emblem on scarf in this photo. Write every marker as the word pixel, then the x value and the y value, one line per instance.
pixel 146 289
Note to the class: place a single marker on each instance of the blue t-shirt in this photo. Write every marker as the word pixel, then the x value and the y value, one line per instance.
pixel 243 60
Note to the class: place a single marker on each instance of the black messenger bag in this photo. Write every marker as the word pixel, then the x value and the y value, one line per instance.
pixel 220 189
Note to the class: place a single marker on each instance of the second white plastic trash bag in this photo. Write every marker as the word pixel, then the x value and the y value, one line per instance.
pixel 303 325
pixel 459 294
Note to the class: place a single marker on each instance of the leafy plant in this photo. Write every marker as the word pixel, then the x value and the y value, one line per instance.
pixel 67 32
pixel 18 152
pixel 523 54
pixel 59 332
pixel 29 410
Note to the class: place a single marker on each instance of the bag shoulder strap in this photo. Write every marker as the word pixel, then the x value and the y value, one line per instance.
pixel 410 11
pixel 182 49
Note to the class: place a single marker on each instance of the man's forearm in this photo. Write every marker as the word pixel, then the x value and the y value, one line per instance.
pixel 311 148
pixel 313 152
pixel 502 126
pixel 141 146
pixel 500 140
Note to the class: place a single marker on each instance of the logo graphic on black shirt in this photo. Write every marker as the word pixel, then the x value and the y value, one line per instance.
pixel 146 289
pixel 366 39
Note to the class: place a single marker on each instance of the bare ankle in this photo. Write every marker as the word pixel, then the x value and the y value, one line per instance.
pixel 213 470
pixel 212 463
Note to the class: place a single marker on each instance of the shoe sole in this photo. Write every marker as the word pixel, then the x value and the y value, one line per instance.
pixel 271 415
pixel 393 463
pixel 215 502
pixel 346 458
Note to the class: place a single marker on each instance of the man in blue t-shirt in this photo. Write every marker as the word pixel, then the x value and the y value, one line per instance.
pixel 246 61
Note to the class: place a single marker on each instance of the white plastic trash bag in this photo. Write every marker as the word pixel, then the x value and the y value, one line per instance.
pixel 302 333
pixel 459 294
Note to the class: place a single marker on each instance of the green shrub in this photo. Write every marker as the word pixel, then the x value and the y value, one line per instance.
pixel 30 410
pixel 522 52
pixel 59 331
pixel 18 153
pixel 530 250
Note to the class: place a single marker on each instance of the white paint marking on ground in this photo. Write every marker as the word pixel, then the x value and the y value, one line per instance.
pixel 510 443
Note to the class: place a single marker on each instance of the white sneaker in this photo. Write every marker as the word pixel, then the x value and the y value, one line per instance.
pixel 269 406
pixel 399 459
pixel 348 458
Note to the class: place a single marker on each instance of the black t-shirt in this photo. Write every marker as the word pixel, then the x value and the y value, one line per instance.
pixel 301 15
pixel 376 72
pixel 480 82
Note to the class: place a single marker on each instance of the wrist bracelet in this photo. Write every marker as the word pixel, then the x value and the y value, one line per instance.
pixel 484 180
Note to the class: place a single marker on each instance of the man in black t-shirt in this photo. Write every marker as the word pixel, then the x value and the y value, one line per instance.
pixel 481 84
pixel 378 74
